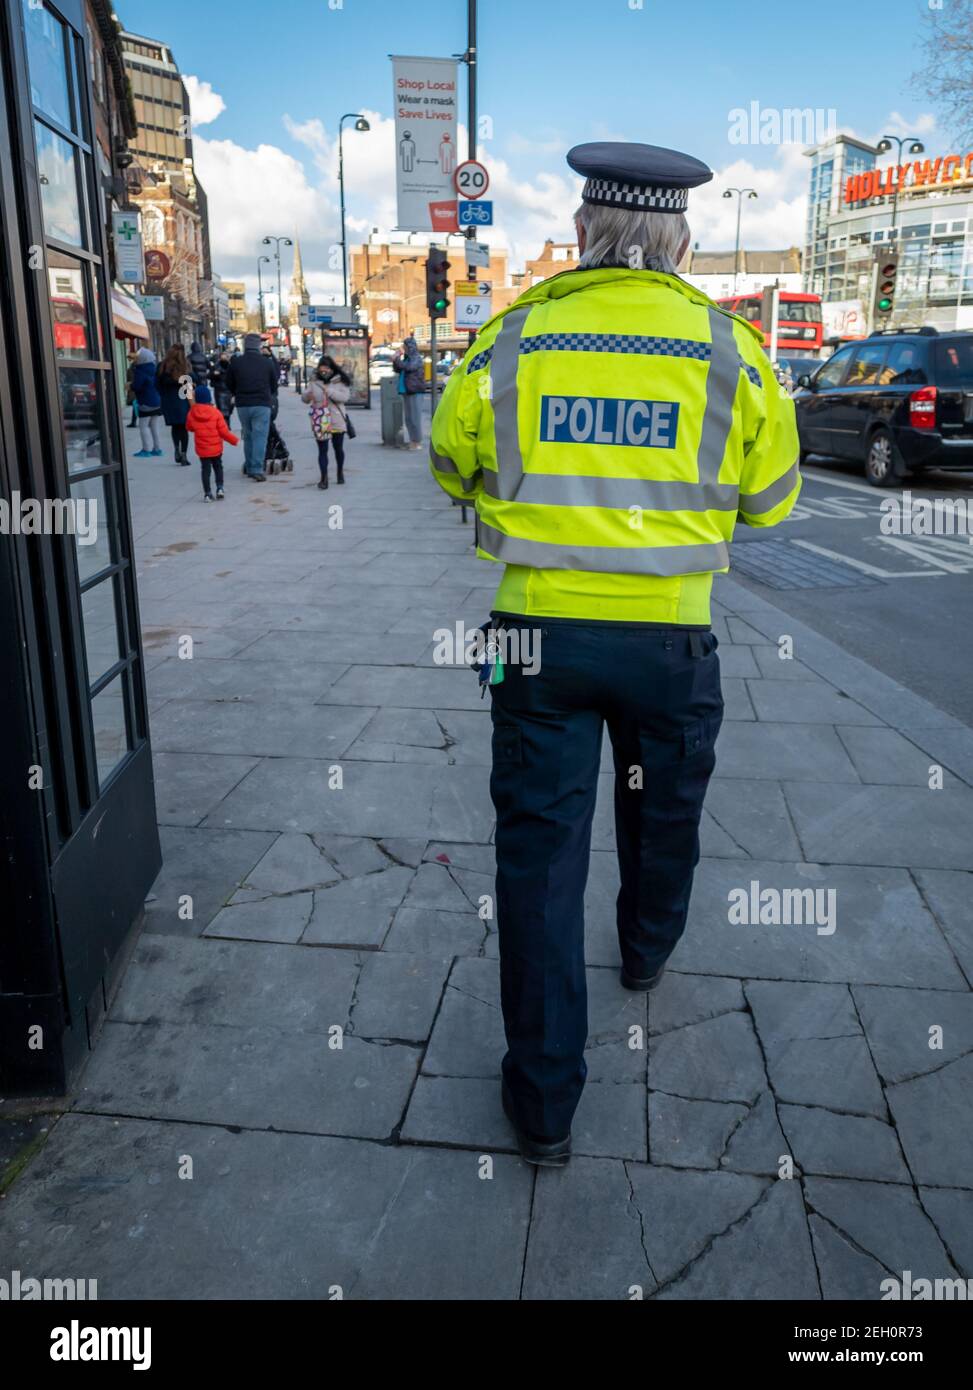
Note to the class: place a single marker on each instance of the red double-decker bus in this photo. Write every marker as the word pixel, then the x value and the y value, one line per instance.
pixel 799 329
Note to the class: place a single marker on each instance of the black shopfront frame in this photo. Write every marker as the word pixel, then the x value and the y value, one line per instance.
pixel 79 851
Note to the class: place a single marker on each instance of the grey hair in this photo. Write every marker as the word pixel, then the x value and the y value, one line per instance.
pixel 638 240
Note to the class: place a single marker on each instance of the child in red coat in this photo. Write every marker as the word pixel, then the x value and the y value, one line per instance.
pixel 210 429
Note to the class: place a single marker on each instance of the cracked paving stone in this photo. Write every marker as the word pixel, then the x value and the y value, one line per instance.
pixel 682 1212
pixel 949 894
pixel 690 1133
pixel 267 919
pixel 477 886
pixel 610 1121
pixel 952 1211
pixel 357 911
pixel 293 862
pixel 718 1059
pixel 481 858
pixel 757 1145
pixel 286 1216
pixel 468 1037
pixel 249 1077
pixel 815 1050
pixel 203 982
pixel 591 1199
pixel 845 1272
pixel 397 995
pixel 686 999
pixel 898 1022
pixel 884 1222
pixel 211 863
pixel 433 887
pixel 826 1144
pixel 765 1255
pixel 425 932
pixel 352 855
pixel 408 852
pixel 755 815
pixel 934 1115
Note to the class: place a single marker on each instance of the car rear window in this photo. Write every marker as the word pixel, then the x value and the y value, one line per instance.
pixel 906 365
pixel 954 362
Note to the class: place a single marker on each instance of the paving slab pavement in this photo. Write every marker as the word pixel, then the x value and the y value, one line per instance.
pixel 296 1088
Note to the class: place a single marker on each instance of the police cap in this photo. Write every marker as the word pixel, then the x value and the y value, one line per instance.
pixel 641 178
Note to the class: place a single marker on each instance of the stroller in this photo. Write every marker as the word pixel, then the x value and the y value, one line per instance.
pixel 277 459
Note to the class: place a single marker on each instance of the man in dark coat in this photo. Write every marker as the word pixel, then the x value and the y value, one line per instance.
pixel 252 379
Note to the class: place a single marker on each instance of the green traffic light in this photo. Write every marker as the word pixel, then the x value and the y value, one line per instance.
pixel 441 304
pixel 885 305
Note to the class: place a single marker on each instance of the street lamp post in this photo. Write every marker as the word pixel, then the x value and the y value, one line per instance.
pixel 277 241
pixel 401 268
pixel 883 147
pixel 360 124
pixel 728 193
pixel 260 291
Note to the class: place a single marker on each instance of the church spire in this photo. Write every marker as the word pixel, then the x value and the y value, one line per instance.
pixel 298 287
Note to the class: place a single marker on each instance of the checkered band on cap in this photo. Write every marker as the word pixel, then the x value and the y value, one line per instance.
pixel 637 197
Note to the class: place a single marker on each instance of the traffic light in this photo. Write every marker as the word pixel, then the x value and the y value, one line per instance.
pixel 886 275
pixel 437 283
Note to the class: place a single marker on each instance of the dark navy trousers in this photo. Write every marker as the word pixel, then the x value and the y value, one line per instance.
pixel 658 691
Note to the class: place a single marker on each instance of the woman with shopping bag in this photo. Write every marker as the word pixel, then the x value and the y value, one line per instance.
pixel 327 394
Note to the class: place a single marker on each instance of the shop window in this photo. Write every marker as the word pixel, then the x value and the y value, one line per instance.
pixel 48 58
pixel 66 279
pixel 100 620
pixel 58 174
pixel 110 723
pixel 82 418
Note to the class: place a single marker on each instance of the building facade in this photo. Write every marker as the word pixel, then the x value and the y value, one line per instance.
pixel 175 216
pixel 236 292
pixel 713 271
pixel 923 208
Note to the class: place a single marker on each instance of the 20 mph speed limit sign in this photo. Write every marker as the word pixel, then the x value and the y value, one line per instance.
pixel 471 179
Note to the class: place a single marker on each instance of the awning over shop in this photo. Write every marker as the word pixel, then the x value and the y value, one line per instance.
pixel 126 315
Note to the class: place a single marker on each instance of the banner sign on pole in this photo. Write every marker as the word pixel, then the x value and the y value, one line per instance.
pixel 271 309
pixel 473 303
pixel 425 104
pixel 129 260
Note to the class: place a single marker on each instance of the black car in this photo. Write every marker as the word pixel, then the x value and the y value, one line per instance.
pixel 898 402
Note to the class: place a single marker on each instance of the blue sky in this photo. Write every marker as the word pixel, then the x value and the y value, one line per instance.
pixel 551 75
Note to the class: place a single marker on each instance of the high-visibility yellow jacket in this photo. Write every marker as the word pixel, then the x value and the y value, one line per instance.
pixel 611 426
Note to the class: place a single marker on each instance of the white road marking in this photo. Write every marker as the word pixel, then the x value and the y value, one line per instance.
pixel 872 570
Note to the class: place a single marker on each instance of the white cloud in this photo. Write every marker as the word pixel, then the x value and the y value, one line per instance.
pixel 204 104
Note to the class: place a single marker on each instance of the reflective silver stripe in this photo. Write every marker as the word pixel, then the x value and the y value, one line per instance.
pixel 651 494
pixel 721 385
pixel 769 497
pixel 503 393
pixel 442 464
pixel 605 559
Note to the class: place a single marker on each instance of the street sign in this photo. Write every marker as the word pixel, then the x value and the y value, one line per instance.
pixel 425 106
pixel 477 253
pixel 152 307
pixel 313 315
pixel 157 264
pixel 471 179
pixel 474 300
pixel 129 261
pixel 476 214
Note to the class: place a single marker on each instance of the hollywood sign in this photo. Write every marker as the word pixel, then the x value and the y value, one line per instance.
pixel 878 183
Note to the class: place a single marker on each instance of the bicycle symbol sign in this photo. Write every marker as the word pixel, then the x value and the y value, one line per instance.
pixel 476 214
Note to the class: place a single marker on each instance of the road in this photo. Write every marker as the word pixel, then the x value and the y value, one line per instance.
pixel 902 603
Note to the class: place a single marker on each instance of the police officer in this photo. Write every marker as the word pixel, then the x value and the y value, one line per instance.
pixel 611 510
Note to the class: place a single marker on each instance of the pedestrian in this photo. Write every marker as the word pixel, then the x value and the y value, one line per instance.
pixel 148 402
pixel 129 392
pixel 612 425
pixel 220 386
pixel 328 393
pixel 210 429
pixel 198 363
pixel 174 381
pixel 253 381
pixel 412 386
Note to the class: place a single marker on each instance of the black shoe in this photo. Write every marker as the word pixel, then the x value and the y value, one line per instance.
pixel 543 1153
pixel 341 477
pixel 322 484
pixel 644 985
